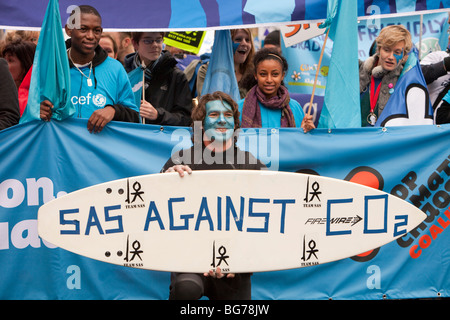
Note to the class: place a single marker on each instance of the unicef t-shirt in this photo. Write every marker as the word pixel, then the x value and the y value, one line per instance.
pixel 109 85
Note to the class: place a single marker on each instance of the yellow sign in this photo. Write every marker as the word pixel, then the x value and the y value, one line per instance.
pixel 189 41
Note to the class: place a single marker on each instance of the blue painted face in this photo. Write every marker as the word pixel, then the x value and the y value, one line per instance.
pixel 398 57
pixel 219 121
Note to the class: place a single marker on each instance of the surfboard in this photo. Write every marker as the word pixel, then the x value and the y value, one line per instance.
pixel 238 220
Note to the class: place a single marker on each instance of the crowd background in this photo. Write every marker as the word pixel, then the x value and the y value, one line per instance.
pixel 17 47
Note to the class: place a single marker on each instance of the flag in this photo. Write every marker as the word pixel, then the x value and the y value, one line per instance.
pixel 341 103
pixel 443 39
pixel 136 80
pixel 50 79
pixel 409 104
pixel 220 74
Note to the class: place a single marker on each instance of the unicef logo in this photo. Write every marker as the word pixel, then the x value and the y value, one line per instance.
pixel 99 100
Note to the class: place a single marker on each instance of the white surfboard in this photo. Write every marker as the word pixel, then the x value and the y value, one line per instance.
pixel 238 220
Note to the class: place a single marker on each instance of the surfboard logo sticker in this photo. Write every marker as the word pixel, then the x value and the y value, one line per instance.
pixel 311 252
pixel 313 193
pixel 132 254
pixel 135 196
pixel 220 256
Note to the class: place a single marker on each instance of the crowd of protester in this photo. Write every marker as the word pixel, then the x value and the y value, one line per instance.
pixel 168 90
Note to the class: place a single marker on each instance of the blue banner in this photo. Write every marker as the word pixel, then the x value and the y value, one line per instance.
pixel 201 14
pixel 43 160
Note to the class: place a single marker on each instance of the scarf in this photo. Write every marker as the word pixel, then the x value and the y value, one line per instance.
pixel 149 69
pixel 251 113
pixel 370 67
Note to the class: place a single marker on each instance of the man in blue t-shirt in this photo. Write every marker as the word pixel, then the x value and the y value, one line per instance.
pixel 100 89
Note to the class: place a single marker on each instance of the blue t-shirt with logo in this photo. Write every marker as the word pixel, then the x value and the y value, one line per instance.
pixel 109 86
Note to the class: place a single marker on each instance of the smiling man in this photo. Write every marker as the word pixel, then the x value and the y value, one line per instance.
pixel 215 122
pixel 100 89
pixel 217 115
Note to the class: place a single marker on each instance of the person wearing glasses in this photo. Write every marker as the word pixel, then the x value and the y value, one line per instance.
pixel 168 99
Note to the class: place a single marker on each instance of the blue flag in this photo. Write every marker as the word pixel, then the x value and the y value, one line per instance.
pixel 443 39
pixel 409 104
pixel 341 103
pixel 220 75
pixel 50 78
pixel 136 80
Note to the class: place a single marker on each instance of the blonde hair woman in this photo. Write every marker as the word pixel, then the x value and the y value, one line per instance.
pixel 378 75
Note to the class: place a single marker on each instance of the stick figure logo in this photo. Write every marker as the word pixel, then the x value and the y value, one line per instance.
pixel 312 191
pixel 136 245
pixel 222 251
pixel 137 192
pixel 311 253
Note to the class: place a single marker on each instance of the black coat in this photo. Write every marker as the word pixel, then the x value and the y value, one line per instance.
pixel 167 89
pixel 9 101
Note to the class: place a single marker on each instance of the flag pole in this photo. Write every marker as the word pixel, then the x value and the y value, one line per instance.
pixel 143 84
pixel 317 72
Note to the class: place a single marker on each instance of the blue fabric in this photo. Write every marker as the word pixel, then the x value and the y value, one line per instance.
pixel 135 77
pixel 220 75
pixel 113 87
pixel 341 103
pixel 400 110
pixel 155 14
pixel 270 118
pixel 50 78
pixel 418 163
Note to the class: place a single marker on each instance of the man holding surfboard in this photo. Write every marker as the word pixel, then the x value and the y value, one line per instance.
pixel 218 116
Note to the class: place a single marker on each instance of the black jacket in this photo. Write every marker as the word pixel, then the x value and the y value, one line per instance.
pixel 9 101
pixel 123 113
pixel 167 89
pixel 241 160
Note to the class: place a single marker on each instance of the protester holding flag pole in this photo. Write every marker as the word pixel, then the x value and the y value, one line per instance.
pixel 168 99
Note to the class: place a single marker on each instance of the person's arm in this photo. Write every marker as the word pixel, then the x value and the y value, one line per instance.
pixel 433 71
pixel 46 112
pixel 443 113
pixel 178 114
pixel 180 168
pixel 125 108
pixel 100 118
pixel 307 123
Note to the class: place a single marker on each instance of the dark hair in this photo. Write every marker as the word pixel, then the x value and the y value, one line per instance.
pixel 273 38
pixel 269 53
pixel 199 111
pixel 87 10
pixel 136 36
pixel 83 9
pixel 23 50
